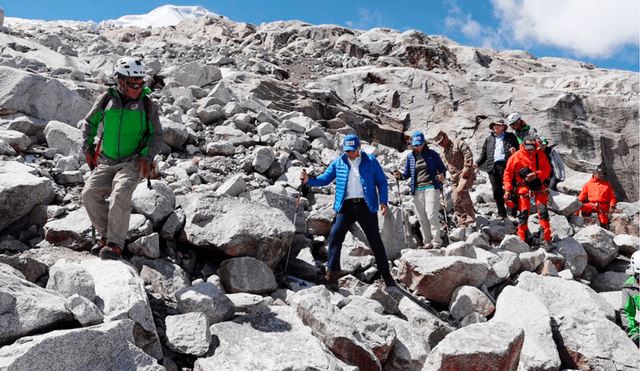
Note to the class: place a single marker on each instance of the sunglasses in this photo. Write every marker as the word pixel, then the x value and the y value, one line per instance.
pixel 134 85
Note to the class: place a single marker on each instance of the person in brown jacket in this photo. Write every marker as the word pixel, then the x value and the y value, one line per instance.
pixel 459 161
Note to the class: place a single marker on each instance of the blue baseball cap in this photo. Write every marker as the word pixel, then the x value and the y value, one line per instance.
pixel 351 143
pixel 417 139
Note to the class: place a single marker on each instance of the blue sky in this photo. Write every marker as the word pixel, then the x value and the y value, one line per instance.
pixel 605 33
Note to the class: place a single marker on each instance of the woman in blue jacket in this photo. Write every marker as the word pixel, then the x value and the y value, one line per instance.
pixel 360 187
pixel 426 170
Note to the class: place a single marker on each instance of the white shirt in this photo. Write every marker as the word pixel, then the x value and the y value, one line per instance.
pixel 354 186
pixel 498 151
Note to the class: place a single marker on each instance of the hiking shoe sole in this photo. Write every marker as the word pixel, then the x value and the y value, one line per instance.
pixel 110 252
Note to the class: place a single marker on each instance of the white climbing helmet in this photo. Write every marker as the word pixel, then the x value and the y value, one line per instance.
pixel 129 67
pixel 635 262
pixel 513 118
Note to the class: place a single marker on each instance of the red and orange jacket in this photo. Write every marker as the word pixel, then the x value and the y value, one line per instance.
pixel 598 191
pixel 536 161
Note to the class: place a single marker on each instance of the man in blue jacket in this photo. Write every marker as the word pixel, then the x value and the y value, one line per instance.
pixel 426 170
pixel 359 181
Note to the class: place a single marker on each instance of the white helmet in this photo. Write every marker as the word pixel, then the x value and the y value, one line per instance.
pixel 129 67
pixel 635 262
pixel 513 118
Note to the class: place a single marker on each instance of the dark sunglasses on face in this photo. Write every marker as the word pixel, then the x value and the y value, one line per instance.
pixel 134 85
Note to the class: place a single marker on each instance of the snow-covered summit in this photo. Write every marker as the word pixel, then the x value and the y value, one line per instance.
pixel 166 15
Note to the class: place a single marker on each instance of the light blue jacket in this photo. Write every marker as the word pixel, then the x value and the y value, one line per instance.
pixel 372 177
pixel 435 166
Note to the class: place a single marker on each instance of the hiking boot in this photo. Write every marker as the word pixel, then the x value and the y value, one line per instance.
pixel 111 251
pixel 331 279
pixel 95 249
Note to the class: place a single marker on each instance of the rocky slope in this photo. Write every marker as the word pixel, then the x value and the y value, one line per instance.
pixel 245 108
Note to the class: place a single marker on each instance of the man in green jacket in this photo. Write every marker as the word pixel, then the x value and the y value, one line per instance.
pixel 631 300
pixel 121 155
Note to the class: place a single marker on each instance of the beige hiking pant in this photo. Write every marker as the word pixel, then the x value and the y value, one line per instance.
pixel 427 204
pixel 111 218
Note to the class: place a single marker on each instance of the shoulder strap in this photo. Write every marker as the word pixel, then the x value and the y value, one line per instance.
pixel 147 109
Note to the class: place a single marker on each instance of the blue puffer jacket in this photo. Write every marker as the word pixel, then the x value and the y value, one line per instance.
pixel 435 166
pixel 371 177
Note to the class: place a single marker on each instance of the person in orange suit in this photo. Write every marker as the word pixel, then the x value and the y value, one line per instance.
pixel 525 173
pixel 597 196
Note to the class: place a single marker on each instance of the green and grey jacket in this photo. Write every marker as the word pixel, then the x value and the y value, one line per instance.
pixel 630 305
pixel 129 135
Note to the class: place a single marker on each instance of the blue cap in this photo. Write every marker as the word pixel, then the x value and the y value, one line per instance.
pixel 351 143
pixel 417 139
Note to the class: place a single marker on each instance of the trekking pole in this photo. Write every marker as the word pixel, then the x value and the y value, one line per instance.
pixel 444 208
pixel 404 225
pixel 93 167
pixel 295 218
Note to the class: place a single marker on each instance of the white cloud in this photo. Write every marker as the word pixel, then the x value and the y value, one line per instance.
pixel 368 19
pixel 484 36
pixel 591 28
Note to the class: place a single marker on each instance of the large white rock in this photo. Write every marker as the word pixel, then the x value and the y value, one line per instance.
pixel 599 245
pixel 20 191
pixel 334 328
pixel 156 203
pixel 63 137
pixel 270 340
pixel 482 346
pixel 120 294
pixel 26 307
pixel 436 278
pixel 103 347
pixel 188 333
pixel 520 308
pixel 208 299
pixel 237 227
pixel 39 97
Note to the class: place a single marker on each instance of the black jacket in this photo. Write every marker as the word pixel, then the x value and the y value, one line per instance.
pixel 510 141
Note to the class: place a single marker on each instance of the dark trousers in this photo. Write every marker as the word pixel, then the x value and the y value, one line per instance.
pixel 368 221
pixel 495 177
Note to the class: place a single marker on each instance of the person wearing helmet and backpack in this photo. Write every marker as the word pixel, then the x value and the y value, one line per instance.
pixel 520 128
pixel 631 300
pixel 121 156
pixel 529 168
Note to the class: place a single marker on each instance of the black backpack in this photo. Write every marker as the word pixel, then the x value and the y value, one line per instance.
pixel 535 184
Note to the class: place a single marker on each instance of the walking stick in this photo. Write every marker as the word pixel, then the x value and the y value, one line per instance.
pixel 295 218
pixel 404 225
pixel 444 208
pixel 93 166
